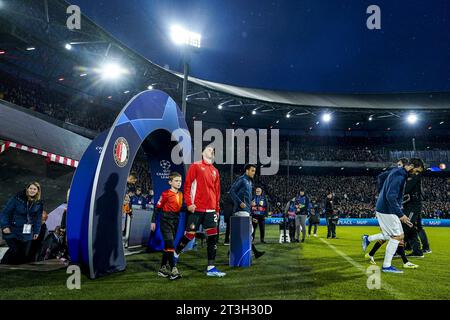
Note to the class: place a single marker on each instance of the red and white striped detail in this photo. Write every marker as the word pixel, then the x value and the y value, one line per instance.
pixel 3 147
pixel 51 156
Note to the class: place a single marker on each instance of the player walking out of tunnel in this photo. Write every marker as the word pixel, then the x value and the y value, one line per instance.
pixel 390 215
pixel 169 206
pixel 202 196
pixel 241 193
pixel 401 246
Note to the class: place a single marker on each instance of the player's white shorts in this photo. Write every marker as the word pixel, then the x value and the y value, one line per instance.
pixel 390 224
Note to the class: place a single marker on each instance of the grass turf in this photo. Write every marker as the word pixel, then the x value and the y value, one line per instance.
pixel 317 269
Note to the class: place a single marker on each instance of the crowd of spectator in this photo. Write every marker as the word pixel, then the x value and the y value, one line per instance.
pixel 355 196
pixel 329 153
pixel 75 109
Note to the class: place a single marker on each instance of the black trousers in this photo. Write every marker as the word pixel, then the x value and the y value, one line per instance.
pixel 291 226
pixel 227 229
pixel 262 226
pixel 17 253
pixel 310 226
pixel 331 226
pixel 412 238
pixel 422 234
pixel 413 234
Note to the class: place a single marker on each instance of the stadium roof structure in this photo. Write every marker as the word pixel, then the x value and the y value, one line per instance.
pixel 42 25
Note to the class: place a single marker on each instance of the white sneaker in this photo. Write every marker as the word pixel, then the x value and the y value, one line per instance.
pixel 370 258
pixel 214 272
pixel 315 235
pixel 410 265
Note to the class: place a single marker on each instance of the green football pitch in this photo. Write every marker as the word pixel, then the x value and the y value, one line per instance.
pixel 320 268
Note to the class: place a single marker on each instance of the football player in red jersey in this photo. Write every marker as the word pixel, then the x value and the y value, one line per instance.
pixel 202 196
pixel 169 206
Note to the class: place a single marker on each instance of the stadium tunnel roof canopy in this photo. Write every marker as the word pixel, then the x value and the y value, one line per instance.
pixel 42 25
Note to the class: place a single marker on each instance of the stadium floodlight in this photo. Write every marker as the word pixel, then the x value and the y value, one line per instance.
pixel 242 117
pixel 254 112
pixel 30 48
pixel 68 46
pixel 150 87
pixel 111 71
pixel 442 122
pixel 370 118
pixel 182 36
pixel 205 111
pixel 288 115
pixel 412 118
pixel 278 121
pixel 219 107
pixel 317 123
pixel 83 75
pixel 326 117
pixel 357 123
pixel 126 91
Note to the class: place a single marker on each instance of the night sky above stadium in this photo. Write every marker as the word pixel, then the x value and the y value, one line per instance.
pixel 301 45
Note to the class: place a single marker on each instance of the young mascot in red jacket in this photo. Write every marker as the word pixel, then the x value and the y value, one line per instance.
pixel 202 196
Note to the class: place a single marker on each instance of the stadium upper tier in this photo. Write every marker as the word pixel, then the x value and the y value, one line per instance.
pixel 41 27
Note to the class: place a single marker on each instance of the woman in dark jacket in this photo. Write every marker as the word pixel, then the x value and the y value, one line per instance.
pixel 20 223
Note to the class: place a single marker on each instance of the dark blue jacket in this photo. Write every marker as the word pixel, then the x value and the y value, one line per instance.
pixel 381 178
pixel 241 191
pixel 17 213
pixel 306 205
pixel 138 201
pixel 391 193
pixel 261 205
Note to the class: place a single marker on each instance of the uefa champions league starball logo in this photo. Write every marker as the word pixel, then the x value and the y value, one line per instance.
pixel 121 152
pixel 165 165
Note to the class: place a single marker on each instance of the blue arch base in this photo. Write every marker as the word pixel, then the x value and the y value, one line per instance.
pixel 99 184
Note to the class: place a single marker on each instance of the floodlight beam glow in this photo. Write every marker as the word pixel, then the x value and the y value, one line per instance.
pixel 412 118
pixel 112 71
pixel 181 36
pixel 326 117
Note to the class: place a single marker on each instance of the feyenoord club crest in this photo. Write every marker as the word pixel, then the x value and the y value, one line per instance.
pixel 121 152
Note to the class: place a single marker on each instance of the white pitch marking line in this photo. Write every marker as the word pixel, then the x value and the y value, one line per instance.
pixel 384 284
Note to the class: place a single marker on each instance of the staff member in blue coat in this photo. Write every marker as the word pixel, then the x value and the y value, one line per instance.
pixel 260 208
pixel 138 199
pixel 241 193
pixel 20 222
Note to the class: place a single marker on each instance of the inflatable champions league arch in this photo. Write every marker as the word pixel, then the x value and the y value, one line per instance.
pixel 94 219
